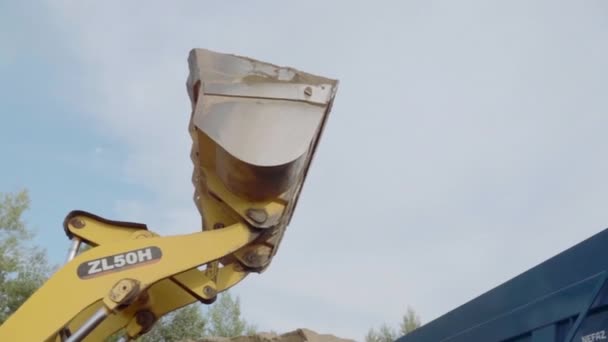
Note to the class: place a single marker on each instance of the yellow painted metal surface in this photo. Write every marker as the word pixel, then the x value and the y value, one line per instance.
pixel 163 297
pixel 64 295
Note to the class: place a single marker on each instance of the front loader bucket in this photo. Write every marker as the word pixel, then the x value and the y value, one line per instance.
pixel 255 127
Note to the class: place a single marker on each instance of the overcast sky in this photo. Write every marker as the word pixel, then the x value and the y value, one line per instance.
pixel 467 142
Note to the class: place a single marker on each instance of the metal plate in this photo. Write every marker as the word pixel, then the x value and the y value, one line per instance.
pixel 317 94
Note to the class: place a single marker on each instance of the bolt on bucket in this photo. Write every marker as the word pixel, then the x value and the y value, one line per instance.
pixel 255 125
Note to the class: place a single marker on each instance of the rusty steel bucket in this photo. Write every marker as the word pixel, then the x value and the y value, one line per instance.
pixel 255 125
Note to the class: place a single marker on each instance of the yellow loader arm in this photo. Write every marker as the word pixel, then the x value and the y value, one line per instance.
pixel 254 128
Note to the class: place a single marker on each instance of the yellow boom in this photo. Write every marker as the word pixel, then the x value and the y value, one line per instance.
pixel 254 127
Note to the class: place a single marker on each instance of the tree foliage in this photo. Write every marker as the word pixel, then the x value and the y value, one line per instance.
pixel 183 324
pixel 410 322
pixel 383 334
pixel 23 269
pixel 225 318
pixel 222 319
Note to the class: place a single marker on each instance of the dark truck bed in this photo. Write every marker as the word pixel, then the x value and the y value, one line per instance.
pixel 563 299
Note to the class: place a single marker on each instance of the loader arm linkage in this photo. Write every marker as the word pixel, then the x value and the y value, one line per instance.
pixel 132 287
pixel 255 128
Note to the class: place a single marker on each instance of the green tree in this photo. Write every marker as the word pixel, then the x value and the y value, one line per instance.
pixel 23 268
pixel 225 318
pixel 183 324
pixel 222 319
pixel 410 322
pixel 383 334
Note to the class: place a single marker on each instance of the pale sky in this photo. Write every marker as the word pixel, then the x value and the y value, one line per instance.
pixel 467 142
